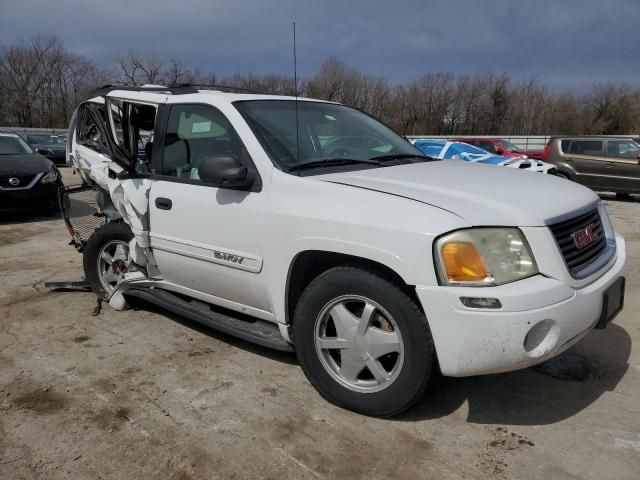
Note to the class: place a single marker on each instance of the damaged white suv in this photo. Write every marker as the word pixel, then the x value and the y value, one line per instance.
pixel 309 226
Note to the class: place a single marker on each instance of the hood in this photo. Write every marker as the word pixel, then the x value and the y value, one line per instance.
pixel 28 164
pixel 481 194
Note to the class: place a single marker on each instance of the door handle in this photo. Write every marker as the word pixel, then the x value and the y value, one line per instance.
pixel 164 203
pixel 609 164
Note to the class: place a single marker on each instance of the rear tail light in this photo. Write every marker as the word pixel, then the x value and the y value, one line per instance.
pixel 547 149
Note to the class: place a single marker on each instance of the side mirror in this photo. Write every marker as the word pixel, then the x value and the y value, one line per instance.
pixel 224 171
pixel 499 151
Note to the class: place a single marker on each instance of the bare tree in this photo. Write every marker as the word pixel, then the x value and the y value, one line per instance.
pixel 41 82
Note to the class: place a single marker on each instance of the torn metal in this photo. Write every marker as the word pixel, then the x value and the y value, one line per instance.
pixel 118 195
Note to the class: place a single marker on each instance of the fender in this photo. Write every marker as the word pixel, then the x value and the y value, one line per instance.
pixel 389 259
pixel 281 278
pixel 566 168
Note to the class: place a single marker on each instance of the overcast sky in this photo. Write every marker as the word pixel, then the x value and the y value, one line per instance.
pixel 564 44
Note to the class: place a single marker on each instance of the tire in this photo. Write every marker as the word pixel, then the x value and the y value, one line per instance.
pixel 109 235
pixel 623 196
pixel 395 313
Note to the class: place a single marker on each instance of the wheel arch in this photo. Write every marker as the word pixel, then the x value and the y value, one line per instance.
pixel 306 265
pixel 566 169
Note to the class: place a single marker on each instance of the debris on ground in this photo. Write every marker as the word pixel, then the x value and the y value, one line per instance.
pixel 68 286
pixel 98 308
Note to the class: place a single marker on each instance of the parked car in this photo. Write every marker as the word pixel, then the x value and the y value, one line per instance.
pixel 309 226
pixel 451 150
pixel 51 146
pixel 28 180
pixel 601 163
pixel 500 146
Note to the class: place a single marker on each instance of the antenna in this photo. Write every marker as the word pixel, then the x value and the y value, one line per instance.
pixel 295 89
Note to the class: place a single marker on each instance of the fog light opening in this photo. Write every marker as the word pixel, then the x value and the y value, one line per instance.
pixel 481 302
pixel 542 338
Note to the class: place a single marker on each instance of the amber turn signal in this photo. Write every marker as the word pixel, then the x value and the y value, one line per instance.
pixel 463 263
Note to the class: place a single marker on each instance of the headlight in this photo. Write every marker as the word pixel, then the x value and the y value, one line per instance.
pixel 51 176
pixel 483 257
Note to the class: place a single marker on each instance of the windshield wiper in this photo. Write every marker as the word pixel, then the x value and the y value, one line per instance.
pixel 400 156
pixel 330 162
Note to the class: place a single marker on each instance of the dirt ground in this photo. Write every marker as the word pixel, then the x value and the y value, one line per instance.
pixel 142 394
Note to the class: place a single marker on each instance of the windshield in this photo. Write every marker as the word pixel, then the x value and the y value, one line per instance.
pixel 623 149
pixel 13 145
pixel 45 139
pixel 466 148
pixel 326 131
pixel 511 147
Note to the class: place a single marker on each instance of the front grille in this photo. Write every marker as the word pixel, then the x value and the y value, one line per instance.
pixel 80 211
pixel 579 258
pixel 24 180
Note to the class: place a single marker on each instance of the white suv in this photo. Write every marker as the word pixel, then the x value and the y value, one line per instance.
pixel 309 226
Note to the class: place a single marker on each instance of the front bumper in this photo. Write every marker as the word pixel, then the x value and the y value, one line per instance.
pixel 472 341
pixel 40 196
pixel 531 165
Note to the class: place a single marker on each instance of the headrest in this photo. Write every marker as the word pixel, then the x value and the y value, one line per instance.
pixel 143 117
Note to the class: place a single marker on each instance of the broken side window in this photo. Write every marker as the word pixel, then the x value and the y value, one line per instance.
pixel 88 133
pixel 132 128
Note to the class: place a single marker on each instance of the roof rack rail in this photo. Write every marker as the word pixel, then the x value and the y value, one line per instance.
pixel 175 89
pixel 105 89
pixel 199 86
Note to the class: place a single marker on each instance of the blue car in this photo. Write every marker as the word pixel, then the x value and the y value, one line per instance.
pixel 446 150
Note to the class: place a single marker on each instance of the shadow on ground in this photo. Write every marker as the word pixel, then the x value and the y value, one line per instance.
pixel 278 356
pixel 530 397
pixel 525 397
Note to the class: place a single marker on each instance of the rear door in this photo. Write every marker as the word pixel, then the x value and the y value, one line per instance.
pixel 622 165
pixel 89 143
pixel 586 156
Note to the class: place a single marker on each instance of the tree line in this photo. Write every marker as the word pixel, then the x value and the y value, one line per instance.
pixel 41 82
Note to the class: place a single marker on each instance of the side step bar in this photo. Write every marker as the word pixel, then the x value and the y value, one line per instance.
pixel 252 330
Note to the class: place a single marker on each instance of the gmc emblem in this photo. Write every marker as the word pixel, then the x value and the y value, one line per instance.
pixel 585 236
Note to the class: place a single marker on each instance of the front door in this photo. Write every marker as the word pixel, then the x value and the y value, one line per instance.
pixel 206 238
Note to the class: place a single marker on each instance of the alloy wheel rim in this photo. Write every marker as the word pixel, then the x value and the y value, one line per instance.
pixel 359 344
pixel 112 252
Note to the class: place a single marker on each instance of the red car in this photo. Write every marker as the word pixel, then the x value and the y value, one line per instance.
pixel 499 146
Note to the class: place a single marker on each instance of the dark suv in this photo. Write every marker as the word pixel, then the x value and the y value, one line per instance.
pixel 601 163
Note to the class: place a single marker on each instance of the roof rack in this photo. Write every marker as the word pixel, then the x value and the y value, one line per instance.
pixel 198 86
pixel 179 89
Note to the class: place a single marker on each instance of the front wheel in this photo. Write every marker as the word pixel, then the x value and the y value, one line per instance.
pixel 362 342
pixel 624 196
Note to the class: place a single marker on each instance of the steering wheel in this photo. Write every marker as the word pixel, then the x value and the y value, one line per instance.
pixel 339 152
pixel 344 146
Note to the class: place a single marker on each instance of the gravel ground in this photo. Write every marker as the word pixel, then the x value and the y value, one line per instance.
pixel 142 394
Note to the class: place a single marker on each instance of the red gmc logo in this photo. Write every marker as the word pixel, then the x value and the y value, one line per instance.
pixel 585 236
